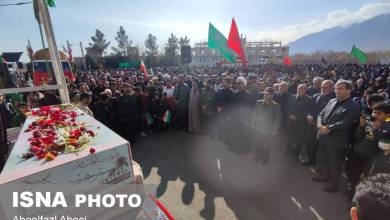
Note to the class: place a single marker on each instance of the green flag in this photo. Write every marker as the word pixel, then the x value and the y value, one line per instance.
pixel 51 3
pixel 359 54
pixel 218 42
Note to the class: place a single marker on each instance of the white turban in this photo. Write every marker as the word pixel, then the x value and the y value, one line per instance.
pixel 107 91
pixel 243 80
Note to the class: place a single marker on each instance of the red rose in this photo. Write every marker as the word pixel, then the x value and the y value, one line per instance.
pixel 73 114
pixel 41 155
pixel 48 140
pixel 36 142
pixel 44 108
pixel 90 132
pixel 36 134
pixel 75 133
pixel 35 149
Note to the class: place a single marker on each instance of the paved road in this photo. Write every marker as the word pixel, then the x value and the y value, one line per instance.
pixel 198 178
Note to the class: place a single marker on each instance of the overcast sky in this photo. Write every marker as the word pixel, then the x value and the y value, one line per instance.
pixel 76 20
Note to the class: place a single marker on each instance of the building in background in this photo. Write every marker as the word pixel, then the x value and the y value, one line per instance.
pixel 257 52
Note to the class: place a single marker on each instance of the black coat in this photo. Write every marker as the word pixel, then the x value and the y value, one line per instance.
pixel 311 91
pixel 338 118
pixel 8 112
pixel 243 104
pixel 299 106
pixel 104 112
pixel 224 98
pixel 128 108
pixel 319 103
pixel 282 100
pixel 158 107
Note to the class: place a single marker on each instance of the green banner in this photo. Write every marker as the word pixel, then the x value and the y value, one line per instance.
pixel 219 42
pixel 129 64
pixel 359 54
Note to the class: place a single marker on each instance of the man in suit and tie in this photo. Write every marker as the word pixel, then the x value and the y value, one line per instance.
pixel 334 124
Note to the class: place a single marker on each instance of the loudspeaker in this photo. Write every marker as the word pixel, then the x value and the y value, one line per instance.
pixel 186 56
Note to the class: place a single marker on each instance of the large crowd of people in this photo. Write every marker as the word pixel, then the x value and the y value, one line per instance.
pixel 335 117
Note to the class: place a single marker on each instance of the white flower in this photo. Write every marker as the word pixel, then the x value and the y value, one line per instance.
pixel 83 139
pixel 60 141
pixel 62 132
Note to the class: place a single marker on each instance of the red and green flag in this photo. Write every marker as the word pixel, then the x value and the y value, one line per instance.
pixel 234 42
pixel 359 54
pixel 217 41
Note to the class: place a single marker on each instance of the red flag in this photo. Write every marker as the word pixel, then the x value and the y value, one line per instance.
pixel 287 61
pixel 143 69
pixel 234 42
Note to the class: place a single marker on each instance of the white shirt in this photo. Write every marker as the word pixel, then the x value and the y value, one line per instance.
pixel 169 91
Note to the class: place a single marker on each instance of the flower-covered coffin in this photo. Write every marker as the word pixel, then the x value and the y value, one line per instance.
pixel 61 144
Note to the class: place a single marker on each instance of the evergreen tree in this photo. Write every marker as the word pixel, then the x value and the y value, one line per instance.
pixel 99 44
pixel 123 43
pixel 151 50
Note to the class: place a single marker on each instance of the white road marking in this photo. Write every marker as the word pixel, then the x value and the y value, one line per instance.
pixel 296 202
pixel 219 168
pixel 313 170
pixel 316 213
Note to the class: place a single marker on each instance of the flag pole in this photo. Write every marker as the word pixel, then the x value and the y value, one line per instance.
pixel 29 50
pixel 54 54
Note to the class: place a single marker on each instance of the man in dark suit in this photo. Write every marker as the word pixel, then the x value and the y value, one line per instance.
pixel 181 95
pixel 7 110
pixel 282 98
pixel 298 108
pixel 128 112
pixel 224 101
pixel 320 100
pixel 316 87
pixel 334 124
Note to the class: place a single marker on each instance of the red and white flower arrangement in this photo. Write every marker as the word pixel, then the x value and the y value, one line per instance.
pixel 55 131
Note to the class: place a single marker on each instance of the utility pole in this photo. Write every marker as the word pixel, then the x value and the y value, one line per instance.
pixel 54 54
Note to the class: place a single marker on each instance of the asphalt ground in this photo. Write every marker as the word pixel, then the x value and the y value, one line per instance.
pixel 198 177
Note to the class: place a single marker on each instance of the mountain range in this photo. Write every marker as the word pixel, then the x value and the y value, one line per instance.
pixel 370 36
